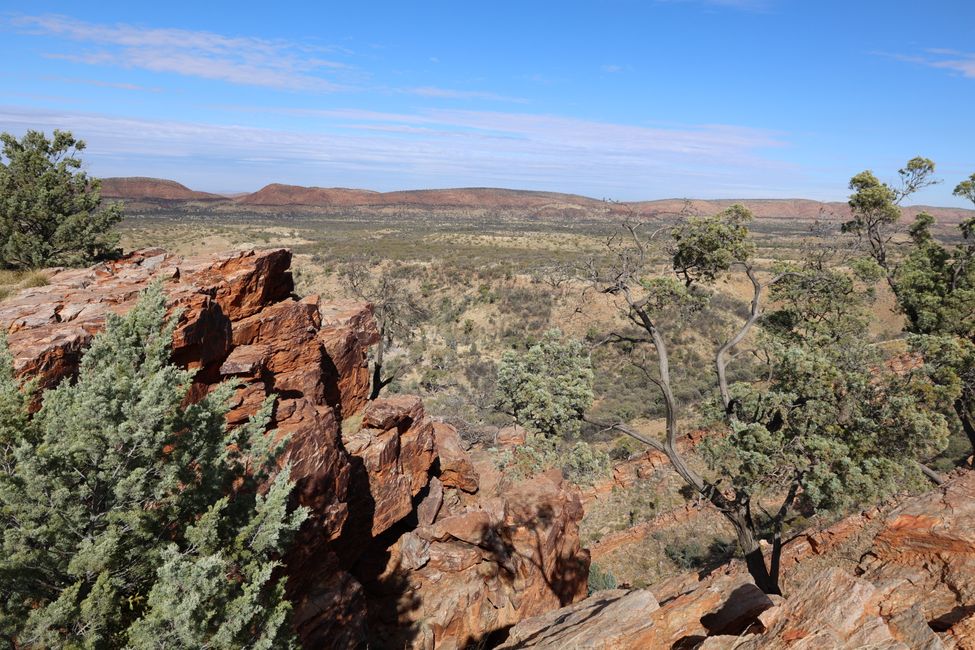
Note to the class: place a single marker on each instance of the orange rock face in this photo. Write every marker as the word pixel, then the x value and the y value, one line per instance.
pixel 401 544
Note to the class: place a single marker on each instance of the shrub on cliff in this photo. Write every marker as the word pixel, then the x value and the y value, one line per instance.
pixel 49 210
pixel 128 518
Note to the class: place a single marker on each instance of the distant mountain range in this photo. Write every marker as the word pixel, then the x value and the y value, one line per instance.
pixel 155 193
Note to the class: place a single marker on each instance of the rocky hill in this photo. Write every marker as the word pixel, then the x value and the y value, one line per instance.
pixel 140 189
pixel 144 192
pixel 410 543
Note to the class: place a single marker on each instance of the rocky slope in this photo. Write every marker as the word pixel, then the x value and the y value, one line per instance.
pixel 404 547
pixel 896 581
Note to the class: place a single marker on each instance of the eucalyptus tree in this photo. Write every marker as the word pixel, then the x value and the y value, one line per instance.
pixel 933 282
pixel 828 422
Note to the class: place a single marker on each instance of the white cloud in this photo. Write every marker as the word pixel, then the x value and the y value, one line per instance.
pixel 612 68
pixel 962 63
pixel 234 59
pixel 434 148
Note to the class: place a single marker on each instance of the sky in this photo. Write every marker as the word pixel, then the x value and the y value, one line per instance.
pixel 617 99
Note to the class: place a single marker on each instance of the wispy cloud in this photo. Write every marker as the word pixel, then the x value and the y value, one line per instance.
pixel 962 63
pixel 449 93
pixel 234 59
pixel 612 68
pixel 433 148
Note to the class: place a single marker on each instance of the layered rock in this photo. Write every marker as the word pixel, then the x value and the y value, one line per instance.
pixel 913 588
pixel 402 547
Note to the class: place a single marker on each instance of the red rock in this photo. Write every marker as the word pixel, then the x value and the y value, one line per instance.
pixel 456 468
pixel 429 507
pixel 246 360
pixel 607 620
pixel 513 555
pixel 511 435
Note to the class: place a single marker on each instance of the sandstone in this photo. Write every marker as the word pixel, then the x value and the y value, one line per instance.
pixel 511 435
pixel 925 552
pixel 456 468
pixel 509 556
pixel 913 588
pixel 607 620
pixel 429 507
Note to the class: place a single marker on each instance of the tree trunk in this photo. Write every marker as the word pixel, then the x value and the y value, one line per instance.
pixel 377 365
pixel 967 419
pixel 754 558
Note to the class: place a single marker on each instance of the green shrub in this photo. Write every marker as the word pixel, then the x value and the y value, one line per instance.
pixel 131 519
pixel 600 579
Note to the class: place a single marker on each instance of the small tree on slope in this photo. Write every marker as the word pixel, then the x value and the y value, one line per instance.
pixel 827 425
pixel 934 283
pixel 130 519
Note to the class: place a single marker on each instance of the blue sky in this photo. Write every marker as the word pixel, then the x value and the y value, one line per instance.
pixel 622 99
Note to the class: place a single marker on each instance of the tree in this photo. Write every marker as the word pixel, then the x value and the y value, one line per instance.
pixel 397 309
pixel 548 387
pixel 934 284
pixel 128 518
pixel 50 212
pixel 827 417
pixel 875 207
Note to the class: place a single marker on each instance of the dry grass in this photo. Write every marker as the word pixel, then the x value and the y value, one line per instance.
pixel 12 282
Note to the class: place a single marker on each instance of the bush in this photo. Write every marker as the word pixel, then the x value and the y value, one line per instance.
pixel 49 211
pixel 585 464
pixel 600 579
pixel 547 388
pixel 129 518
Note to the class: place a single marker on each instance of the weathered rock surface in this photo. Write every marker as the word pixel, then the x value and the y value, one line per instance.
pixel 913 588
pixel 402 548
pixel 483 564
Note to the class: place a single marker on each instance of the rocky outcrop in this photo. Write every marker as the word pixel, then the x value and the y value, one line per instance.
pixel 402 548
pixel 476 565
pixel 914 587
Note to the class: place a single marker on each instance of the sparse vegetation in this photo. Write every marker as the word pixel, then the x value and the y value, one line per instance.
pixel 493 285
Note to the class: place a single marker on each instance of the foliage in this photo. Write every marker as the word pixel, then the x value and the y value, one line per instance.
pixel 692 553
pixel 829 424
pixel 548 387
pixel 131 519
pixel 705 247
pixel 49 211
pixel 832 419
pixel 935 288
pixel 580 463
pixel 600 579
pixel 397 309
pixel 584 463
